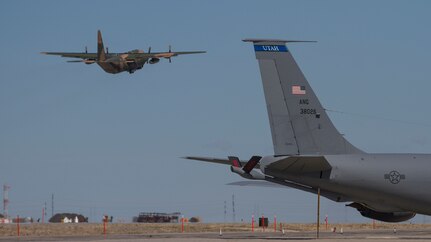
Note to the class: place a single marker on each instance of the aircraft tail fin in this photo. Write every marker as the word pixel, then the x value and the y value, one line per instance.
pixel 299 123
pixel 251 164
pixel 101 56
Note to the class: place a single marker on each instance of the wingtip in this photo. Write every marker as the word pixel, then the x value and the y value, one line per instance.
pixel 187 157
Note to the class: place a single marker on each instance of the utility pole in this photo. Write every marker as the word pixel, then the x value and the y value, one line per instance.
pixel 225 211
pixel 52 205
pixel 318 212
pixel 44 212
pixel 233 208
pixel 6 200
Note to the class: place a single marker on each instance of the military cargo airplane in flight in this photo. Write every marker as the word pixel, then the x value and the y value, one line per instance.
pixel 311 155
pixel 118 62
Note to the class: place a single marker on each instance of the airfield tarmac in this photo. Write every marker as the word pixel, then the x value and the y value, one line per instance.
pixel 351 236
pixel 352 233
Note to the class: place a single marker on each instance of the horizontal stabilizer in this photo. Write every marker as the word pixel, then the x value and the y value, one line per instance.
pixel 216 160
pixel 212 160
pixel 299 164
pixel 256 184
pixel 278 41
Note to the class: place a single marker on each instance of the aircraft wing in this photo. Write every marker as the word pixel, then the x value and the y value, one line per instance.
pixel 216 160
pixel 130 56
pixel 180 53
pixel 161 54
pixel 73 54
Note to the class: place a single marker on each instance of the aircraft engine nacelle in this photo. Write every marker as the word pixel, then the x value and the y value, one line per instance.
pixel 154 60
pixel 237 170
pixel 391 217
pixel 254 174
pixel 89 61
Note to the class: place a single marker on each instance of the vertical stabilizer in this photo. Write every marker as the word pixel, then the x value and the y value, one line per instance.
pixel 299 123
pixel 101 56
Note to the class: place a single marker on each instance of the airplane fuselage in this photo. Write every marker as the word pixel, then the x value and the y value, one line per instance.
pixel 116 63
pixel 383 182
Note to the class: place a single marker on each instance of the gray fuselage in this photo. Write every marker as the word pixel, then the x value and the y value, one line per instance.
pixel 384 182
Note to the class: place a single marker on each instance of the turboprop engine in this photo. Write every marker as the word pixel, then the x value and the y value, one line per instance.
pixel 89 61
pixel 154 60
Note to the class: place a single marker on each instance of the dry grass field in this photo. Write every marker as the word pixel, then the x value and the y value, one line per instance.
pixel 37 229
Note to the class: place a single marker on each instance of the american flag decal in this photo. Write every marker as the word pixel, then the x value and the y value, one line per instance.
pixel 298 90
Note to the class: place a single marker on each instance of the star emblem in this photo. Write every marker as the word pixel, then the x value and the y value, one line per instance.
pixel 394 177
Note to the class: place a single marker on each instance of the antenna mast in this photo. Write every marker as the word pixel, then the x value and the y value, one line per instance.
pixel 6 200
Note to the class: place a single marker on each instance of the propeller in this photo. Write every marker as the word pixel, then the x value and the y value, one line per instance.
pixel 86 51
pixel 170 50
pixel 149 52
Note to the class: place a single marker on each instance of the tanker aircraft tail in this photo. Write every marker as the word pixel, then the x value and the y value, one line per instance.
pixel 311 155
pixel 299 123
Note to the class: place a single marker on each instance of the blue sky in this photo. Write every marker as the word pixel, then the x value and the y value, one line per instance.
pixel 111 144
